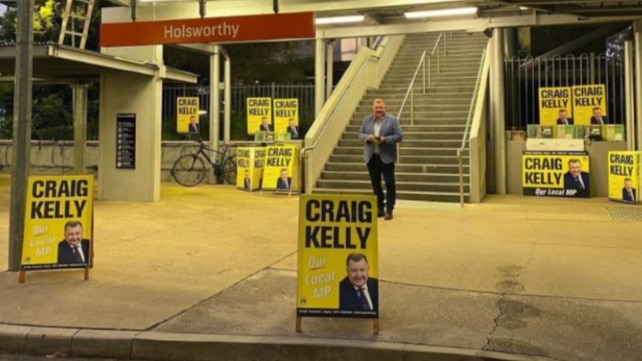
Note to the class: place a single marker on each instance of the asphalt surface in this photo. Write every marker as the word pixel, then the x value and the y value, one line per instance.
pixel 209 273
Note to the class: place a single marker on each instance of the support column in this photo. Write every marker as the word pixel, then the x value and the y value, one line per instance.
pixel 629 95
pixel 319 76
pixel 329 62
pixel 80 127
pixel 497 112
pixel 215 106
pixel 21 130
pixel 227 106
pixel 636 131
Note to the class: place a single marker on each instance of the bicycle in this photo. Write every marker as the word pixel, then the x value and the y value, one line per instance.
pixel 190 169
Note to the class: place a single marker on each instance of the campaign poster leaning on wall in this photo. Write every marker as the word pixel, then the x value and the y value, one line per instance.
pixel 586 98
pixel 58 222
pixel 187 115
pixel 552 100
pixel 556 174
pixel 285 110
pixel 624 176
pixel 257 109
pixel 337 272
pixel 281 172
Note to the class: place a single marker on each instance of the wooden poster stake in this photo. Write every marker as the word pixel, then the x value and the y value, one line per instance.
pixel 86 273
pixel 375 326
pixel 22 276
pixel 298 324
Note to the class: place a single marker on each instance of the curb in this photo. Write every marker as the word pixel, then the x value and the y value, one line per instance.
pixel 163 346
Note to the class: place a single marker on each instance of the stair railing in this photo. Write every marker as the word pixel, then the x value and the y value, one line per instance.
pixel 460 151
pixel 411 87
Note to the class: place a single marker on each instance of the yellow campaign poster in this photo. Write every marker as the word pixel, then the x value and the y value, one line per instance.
pixel 250 168
pixel 556 174
pixel 58 222
pixel 552 102
pixel 286 113
pixel 586 100
pixel 187 115
pixel 281 171
pixel 337 273
pixel 259 112
pixel 624 176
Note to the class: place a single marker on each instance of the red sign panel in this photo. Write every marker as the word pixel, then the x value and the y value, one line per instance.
pixel 209 30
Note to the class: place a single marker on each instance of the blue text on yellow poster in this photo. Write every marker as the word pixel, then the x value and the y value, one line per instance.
pixel 555 174
pixel 187 115
pixel 586 99
pixel 552 101
pixel 281 170
pixel 624 176
pixel 337 272
pixel 286 112
pixel 258 109
pixel 58 222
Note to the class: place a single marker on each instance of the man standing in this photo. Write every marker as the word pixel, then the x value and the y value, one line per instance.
pixel 73 249
pixel 357 291
pixel 381 132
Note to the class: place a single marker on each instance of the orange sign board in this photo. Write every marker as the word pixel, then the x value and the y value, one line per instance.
pixel 209 30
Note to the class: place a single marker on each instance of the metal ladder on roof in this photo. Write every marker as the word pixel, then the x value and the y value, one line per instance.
pixel 75 22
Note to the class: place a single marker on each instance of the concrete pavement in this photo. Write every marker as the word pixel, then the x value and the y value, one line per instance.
pixel 209 273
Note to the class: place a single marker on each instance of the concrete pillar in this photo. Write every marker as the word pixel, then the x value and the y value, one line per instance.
pixel 80 127
pixel 629 94
pixel 228 97
pixel 319 76
pixel 636 130
pixel 329 68
pixel 510 42
pixel 215 106
pixel 498 133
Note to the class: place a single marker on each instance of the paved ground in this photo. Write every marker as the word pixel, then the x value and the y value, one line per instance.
pixel 209 273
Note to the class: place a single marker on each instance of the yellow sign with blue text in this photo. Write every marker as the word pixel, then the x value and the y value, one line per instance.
pixel 624 177
pixel 586 99
pixel 556 174
pixel 259 111
pixel 286 113
pixel 187 115
pixel 58 222
pixel 553 100
pixel 337 272
pixel 249 161
pixel 281 172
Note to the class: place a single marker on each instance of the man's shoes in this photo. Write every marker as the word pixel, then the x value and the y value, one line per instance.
pixel 388 216
pixel 381 213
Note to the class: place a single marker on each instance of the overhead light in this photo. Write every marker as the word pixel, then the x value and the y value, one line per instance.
pixel 340 20
pixel 441 12
pixel 523 8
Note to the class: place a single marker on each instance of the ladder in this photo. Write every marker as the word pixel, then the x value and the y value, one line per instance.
pixel 75 22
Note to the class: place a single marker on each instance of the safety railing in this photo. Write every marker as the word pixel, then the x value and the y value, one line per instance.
pixel 483 67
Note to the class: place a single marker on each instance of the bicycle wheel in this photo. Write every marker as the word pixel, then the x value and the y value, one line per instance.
pixel 189 170
pixel 229 170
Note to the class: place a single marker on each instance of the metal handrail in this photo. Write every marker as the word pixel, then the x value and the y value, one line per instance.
pixel 411 86
pixel 460 151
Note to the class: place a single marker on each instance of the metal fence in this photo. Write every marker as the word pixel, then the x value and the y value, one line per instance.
pixel 303 92
pixel 524 76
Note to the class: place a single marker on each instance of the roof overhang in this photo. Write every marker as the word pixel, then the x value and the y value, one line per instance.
pixel 59 63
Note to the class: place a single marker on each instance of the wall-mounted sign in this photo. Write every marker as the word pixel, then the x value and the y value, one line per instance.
pixel 209 30
pixel 126 141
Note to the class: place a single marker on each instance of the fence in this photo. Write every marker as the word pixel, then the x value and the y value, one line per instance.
pixel 524 76
pixel 303 92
